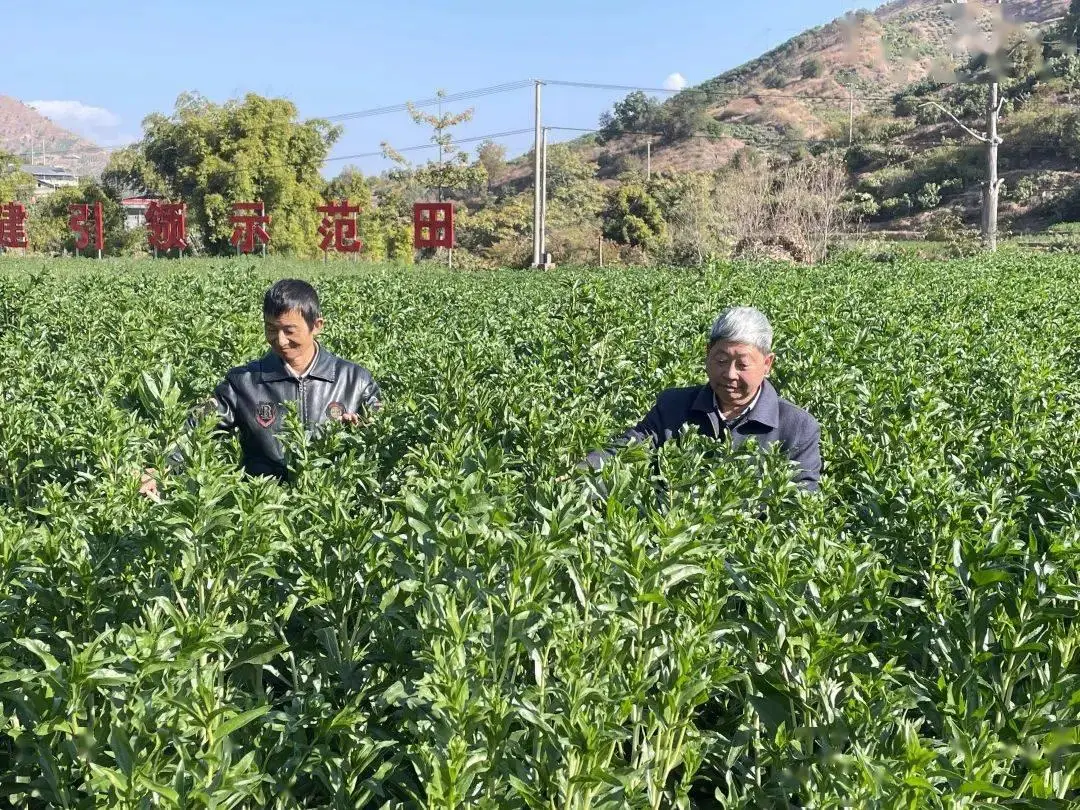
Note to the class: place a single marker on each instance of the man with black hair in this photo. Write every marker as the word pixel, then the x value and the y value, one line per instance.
pixel 297 369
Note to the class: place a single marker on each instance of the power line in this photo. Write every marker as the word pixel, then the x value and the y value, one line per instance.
pixel 458 141
pixel 374 111
pixel 464 95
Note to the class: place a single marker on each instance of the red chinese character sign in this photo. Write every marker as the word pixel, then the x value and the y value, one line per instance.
pixel 12 225
pixel 338 228
pixel 165 223
pixel 433 225
pixel 248 219
pixel 80 226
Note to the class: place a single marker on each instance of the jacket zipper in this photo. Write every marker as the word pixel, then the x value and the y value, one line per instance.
pixel 300 396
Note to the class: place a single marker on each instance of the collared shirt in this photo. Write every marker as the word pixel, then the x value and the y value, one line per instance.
pixel 297 375
pixel 737 418
pixel 769 418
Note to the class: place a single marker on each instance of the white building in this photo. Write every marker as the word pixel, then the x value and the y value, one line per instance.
pixel 49 178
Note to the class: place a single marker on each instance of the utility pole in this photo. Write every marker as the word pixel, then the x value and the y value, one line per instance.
pixel 851 117
pixel 991 189
pixel 440 189
pixel 543 195
pixel 536 178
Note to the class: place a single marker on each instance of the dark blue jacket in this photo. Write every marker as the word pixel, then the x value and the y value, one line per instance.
pixel 772 419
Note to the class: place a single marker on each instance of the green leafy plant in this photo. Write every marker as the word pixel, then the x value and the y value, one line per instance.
pixel 430 615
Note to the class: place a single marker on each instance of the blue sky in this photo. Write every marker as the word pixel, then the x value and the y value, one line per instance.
pixel 108 65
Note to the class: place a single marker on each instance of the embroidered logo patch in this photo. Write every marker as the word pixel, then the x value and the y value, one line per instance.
pixel 335 410
pixel 264 413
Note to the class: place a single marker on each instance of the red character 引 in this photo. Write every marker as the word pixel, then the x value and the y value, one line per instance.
pixel 166 225
pixel 433 225
pixel 338 228
pixel 80 213
pixel 248 219
pixel 12 225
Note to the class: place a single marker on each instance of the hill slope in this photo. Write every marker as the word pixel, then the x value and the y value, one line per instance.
pixel 23 129
pixel 800 90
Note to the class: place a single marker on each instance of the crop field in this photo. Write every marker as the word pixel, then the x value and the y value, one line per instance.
pixel 431 615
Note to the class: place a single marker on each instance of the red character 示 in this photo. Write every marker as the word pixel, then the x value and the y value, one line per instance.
pixel 248 219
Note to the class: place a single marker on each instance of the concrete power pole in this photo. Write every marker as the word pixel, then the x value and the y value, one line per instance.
pixel 851 116
pixel 543 195
pixel 537 227
pixel 992 188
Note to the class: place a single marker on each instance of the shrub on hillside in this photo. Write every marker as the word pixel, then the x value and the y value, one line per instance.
pixel 812 68
pixel 929 196
pixel 896 207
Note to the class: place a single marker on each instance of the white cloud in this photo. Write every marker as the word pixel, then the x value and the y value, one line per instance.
pixel 674 82
pixel 77 115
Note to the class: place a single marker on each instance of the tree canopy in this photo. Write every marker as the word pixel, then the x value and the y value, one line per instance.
pixel 212 155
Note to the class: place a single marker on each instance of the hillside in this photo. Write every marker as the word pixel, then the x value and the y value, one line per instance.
pixel 800 90
pixel 22 128
pixel 806 89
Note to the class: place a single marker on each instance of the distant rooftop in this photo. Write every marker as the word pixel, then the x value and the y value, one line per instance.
pixel 47 171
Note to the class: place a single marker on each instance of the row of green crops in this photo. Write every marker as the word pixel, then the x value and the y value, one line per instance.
pixel 430 617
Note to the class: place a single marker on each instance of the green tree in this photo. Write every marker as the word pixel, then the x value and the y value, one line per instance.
pixel 635 113
pixel 210 156
pixel 15 184
pixel 571 180
pixel 452 170
pixel 812 68
pixel 393 195
pixel 492 157
pixel 633 217
pixel 686 114
pixel 47 226
pixel 351 185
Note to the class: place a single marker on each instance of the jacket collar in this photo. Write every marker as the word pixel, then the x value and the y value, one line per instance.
pixel 766 410
pixel 273 369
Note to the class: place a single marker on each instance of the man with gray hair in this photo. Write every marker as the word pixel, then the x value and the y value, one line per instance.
pixel 737 402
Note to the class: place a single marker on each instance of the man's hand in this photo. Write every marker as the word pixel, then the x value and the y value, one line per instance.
pixel 148 485
pixel 351 419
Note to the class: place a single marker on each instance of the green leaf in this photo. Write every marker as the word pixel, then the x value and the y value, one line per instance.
pixel 239 721
pixel 984 788
pixel 41 650
pixel 988 576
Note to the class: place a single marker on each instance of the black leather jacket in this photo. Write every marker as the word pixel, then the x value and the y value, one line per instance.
pixel 250 398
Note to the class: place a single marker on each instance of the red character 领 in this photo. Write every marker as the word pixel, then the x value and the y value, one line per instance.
pixel 338 228
pixel 12 225
pixel 166 225
pixel 248 219
pixel 433 225
pixel 80 213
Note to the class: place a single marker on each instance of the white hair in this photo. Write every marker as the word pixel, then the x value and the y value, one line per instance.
pixel 743 325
